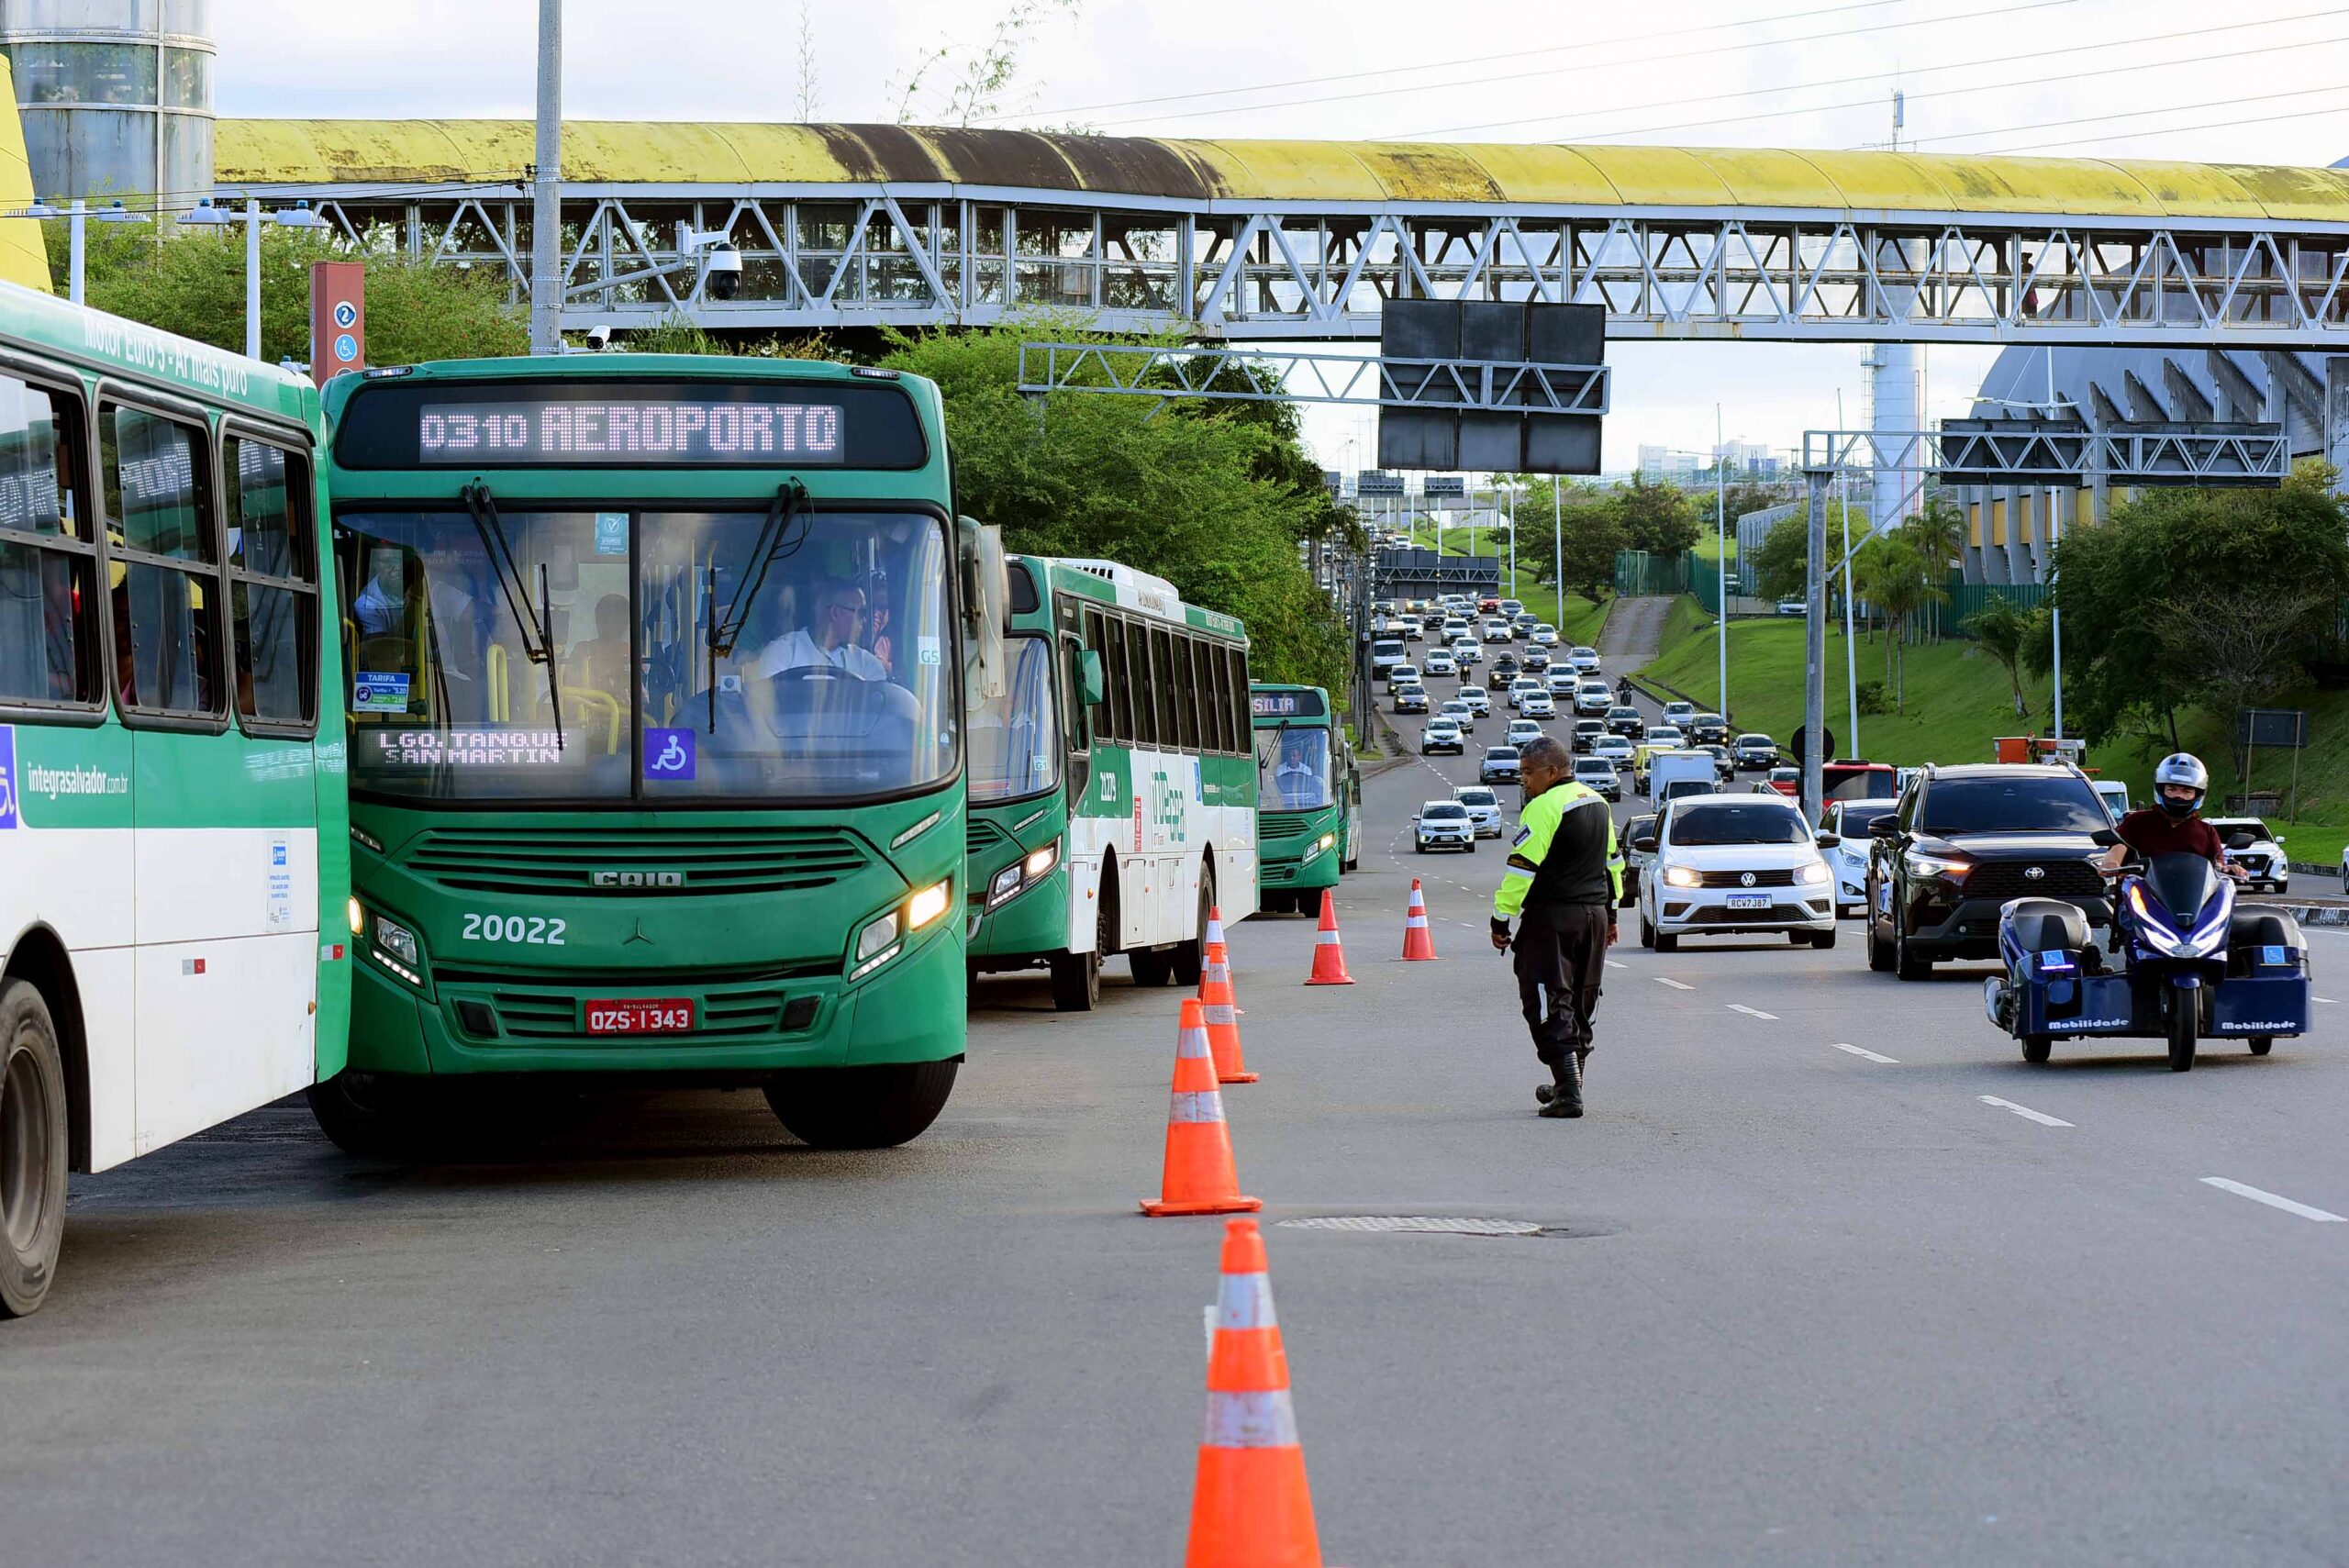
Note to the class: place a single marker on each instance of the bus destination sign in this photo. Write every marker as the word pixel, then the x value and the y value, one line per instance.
pixel 1286 705
pixel 631 432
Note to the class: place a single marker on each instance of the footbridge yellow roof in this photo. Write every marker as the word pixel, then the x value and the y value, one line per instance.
pixel 1412 175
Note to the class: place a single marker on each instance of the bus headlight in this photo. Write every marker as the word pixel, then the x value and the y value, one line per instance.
pixel 357 917
pixel 877 936
pixel 1023 873
pixel 397 940
pixel 1329 841
pixel 925 906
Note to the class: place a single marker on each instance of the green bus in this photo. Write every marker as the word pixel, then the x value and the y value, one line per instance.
pixel 1112 802
pixel 655 715
pixel 1309 791
pixel 174 860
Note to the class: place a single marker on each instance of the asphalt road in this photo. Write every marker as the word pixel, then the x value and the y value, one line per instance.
pixel 1827 1275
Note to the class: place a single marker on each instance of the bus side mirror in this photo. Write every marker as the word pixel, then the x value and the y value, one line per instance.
pixel 1090 685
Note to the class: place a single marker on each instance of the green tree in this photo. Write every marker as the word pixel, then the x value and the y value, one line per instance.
pixel 2125 671
pixel 2003 631
pixel 1658 518
pixel 192 281
pixel 1198 498
pixel 1782 562
pixel 1939 533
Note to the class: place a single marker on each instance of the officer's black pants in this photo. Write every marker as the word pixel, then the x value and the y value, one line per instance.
pixel 1561 956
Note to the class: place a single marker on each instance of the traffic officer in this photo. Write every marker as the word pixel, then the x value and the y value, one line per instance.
pixel 1566 878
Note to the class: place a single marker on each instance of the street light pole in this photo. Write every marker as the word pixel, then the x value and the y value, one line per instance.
pixel 1720 543
pixel 1814 624
pixel 252 279
pixel 76 247
pixel 546 193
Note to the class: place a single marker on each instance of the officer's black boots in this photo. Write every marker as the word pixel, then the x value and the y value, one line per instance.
pixel 1563 1097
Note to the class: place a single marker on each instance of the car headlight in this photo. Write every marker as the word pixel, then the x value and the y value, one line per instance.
pixel 397 940
pixel 1816 871
pixel 1922 864
pixel 1683 877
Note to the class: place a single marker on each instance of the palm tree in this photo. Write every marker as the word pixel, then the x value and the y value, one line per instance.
pixel 1939 533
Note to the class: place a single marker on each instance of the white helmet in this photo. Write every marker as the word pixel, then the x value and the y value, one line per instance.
pixel 2181 768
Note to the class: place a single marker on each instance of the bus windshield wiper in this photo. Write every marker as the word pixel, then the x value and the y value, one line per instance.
pixel 531 617
pixel 725 626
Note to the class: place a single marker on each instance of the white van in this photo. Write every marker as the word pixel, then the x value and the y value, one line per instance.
pixel 1693 772
pixel 1386 652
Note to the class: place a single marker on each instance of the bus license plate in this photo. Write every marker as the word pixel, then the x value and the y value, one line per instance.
pixel 1740 901
pixel 654 1015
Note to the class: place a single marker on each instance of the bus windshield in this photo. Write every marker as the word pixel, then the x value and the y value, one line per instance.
pixel 1293 768
pixel 586 670
pixel 1016 738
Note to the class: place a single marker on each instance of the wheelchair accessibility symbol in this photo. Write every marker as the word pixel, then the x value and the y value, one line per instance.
pixel 668 754
pixel 7 776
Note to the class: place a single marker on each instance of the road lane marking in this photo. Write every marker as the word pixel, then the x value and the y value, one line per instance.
pixel 2327 1001
pixel 1617 964
pixel 1662 980
pixel 2042 1118
pixel 2272 1201
pixel 1871 1055
pixel 1752 1012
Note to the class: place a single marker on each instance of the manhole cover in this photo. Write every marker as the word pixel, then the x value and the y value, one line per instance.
pixel 1420 1222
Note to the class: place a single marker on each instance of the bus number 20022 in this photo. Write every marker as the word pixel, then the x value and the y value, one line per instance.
pixel 535 930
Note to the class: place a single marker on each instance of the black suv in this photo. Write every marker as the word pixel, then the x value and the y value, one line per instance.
pixel 1504 670
pixel 1708 729
pixel 1964 840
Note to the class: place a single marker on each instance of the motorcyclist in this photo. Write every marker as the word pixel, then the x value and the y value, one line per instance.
pixel 2173 825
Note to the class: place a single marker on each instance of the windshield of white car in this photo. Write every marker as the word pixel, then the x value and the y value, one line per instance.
pixel 2048 801
pixel 2229 826
pixel 1467 796
pixel 1594 767
pixel 1501 753
pixel 1737 823
pixel 1443 810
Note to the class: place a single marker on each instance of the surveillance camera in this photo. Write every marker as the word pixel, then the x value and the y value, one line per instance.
pixel 722 270
pixel 599 337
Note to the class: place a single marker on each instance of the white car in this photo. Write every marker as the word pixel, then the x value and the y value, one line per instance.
pixel 1483 809
pixel 1479 700
pixel 1615 749
pixel 1454 630
pixel 1498 632
pixel 2262 857
pixel 1444 825
pixel 1593 698
pixel 1545 636
pixel 1524 686
pixel 1461 713
pixel 1735 864
pixel 1848 820
pixel 1440 663
pixel 1537 703
pixel 1442 735
pixel 1468 651
pixel 1584 659
pixel 1598 774
pixel 2112 792
pixel 1521 730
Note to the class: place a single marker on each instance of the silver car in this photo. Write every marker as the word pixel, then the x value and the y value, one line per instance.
pixel 1483 809
pixel 1444 825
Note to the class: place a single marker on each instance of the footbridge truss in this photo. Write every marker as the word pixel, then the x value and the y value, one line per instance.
pixel 848 227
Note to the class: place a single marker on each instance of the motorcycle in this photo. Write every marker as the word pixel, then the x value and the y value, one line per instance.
pixel 2194 965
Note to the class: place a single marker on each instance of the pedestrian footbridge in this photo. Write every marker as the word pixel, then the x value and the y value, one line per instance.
pixel 847 227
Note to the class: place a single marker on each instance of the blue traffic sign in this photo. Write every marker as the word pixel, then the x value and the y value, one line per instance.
pixel 346 348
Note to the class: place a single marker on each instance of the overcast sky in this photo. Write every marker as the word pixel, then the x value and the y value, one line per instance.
pixel 2256 81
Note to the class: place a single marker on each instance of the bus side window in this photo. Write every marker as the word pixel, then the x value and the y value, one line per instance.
pixel 162 523
pixel 50 647
pixel 273 584
pixel 1240 740
pixel 1187 695
pixel 1168 693
pixel 1118 678
pixel 1215 714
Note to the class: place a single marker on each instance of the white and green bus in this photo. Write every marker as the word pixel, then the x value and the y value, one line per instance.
pixel 174 842
pixel 1113 786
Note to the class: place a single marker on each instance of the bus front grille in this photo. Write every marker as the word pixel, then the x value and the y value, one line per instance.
pixel 722 1014
pixel 1282 827
pixel 688 863
pixel 983 832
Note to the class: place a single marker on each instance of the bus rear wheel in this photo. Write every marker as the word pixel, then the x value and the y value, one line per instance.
pixel 861 1107
pixel 32 1149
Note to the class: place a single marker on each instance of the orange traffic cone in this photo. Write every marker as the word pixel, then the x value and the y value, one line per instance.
pixel 1329 956
pixel 1200 1177
pixel 1215 925
pixel 1419 942
pixel 1249 1505
pixel 1222 1010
